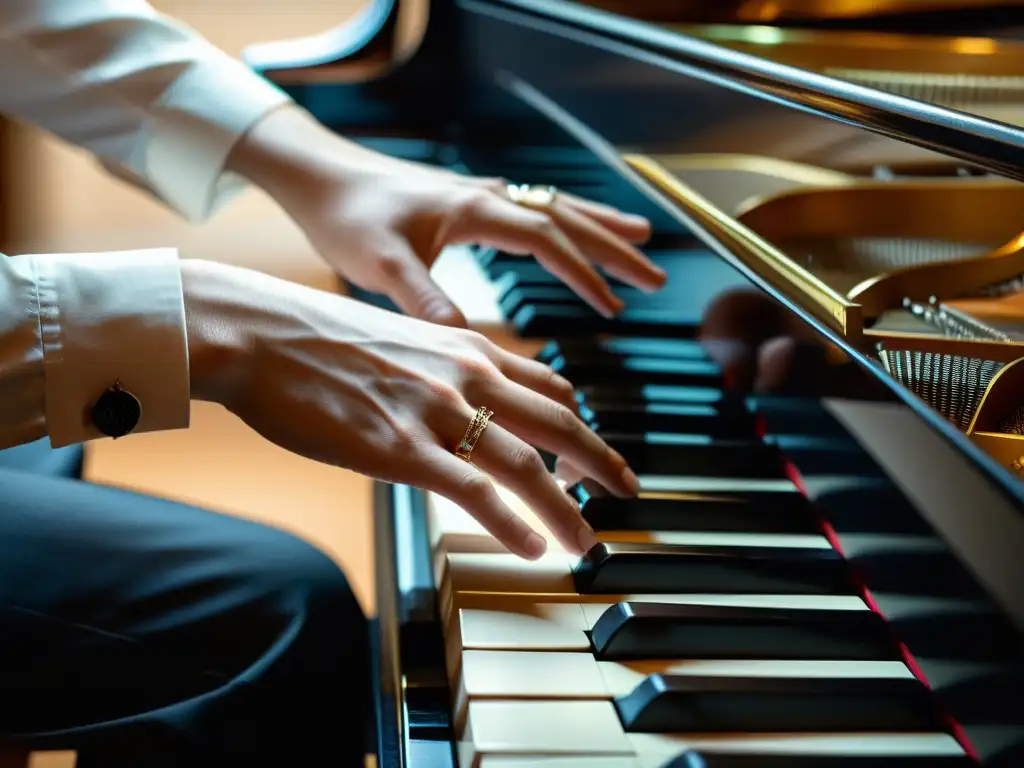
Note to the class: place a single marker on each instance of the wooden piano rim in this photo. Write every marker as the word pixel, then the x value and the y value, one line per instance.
pixel 383 36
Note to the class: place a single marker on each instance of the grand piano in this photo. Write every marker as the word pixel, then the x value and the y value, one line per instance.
pixel 825 566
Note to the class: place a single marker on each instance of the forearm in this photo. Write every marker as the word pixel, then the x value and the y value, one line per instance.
pixel 291 157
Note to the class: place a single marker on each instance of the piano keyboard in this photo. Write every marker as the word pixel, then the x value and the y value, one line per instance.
pixel 497 290
pixel 722 621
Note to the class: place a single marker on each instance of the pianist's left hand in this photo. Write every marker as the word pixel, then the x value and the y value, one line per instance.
pixel 381 222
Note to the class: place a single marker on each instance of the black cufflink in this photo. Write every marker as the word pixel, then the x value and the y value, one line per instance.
pixel 117 412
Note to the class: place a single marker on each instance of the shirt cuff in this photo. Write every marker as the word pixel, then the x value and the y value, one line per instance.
pixel 109 317
pixel 194 127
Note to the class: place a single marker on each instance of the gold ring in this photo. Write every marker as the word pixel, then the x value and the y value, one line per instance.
pixel 476 427
pixel 539 196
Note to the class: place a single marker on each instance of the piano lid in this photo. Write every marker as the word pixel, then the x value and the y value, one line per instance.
pixel 673 91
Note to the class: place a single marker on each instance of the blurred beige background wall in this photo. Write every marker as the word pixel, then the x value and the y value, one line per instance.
pixel 57 199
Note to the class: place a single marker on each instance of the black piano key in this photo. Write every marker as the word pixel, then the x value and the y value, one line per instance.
pixel 656 453
pixel 711 759
pixel 584 350
pixel 740 512
pixel 520 297
pixel 664 630
pixel 514 294
pixel 696 704
pixel 621 568
pixel 683 418
pixel 547 320
pixel 643 370
pixel 521 271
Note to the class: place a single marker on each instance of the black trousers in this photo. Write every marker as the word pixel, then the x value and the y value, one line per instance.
pixel 141 632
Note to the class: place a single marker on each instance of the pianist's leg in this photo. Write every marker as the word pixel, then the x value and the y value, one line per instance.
pixel 147 633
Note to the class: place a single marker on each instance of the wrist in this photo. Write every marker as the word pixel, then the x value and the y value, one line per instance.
pixel 289 155
pixel 217 340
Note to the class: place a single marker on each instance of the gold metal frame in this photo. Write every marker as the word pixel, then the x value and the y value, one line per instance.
pixel 1002 396
pixel 732 181
pixel 959 210
pixel 754 251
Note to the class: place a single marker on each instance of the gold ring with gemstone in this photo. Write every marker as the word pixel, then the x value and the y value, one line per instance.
pixel 476 427
pixel 539 196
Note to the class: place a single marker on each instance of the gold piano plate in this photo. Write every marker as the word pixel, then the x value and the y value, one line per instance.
pixel 879 243
pixel 756 253
pixel 730 181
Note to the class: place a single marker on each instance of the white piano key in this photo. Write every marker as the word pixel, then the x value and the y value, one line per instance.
pixel 549 675
pixel 526 627
pixel 552 728
pixel 475 572
pixel 534 623
pixel 532 675
pixel 592 729
pixel 459 275
pixel 654 750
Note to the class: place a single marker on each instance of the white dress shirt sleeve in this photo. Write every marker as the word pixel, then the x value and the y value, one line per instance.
pixel 71 325
pixel 156 102
pixel 161 106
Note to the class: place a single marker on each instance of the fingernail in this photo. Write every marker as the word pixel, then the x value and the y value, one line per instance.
pixel 640 221
pixel 586 538
pixel 613 307
pixel 534 545
pixel 630 480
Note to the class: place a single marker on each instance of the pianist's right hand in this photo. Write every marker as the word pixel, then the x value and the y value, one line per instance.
pixel 390 396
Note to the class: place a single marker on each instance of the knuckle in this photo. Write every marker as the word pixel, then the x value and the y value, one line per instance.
pixel 496 184
pixel 446 395
pixel 478 341
pixel 390 268
pixel 564 419
pixel 476 369
pixel 477 202
pixel 544 225
pixel 562 386
pixel 477 488
pixel 526 460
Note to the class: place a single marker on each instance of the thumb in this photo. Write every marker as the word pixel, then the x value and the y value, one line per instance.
pixel 407 282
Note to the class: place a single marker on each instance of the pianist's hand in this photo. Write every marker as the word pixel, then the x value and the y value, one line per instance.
pixel 382 222
pixel 389 396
